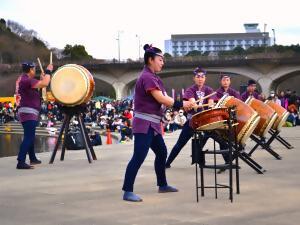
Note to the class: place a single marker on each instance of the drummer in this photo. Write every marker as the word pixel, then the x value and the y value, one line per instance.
pixel 150 100
pixel 225 89
pixel 29 105
pixel 194 93
pixel 251 91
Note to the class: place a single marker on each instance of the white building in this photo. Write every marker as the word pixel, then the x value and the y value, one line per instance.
pixel 181 44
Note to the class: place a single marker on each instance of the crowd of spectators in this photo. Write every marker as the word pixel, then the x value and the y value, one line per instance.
pixel 117 115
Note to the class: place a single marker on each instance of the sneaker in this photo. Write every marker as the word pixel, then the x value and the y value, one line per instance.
pixel 131 197
pixel 24 166
pixel 167 188
pixel 35 162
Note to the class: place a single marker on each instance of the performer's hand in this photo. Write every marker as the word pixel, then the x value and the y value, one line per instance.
pixel 50 67
pixel 42 76
pixel 188 105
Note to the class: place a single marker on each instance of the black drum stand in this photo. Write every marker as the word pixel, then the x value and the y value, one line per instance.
pixel 69 113
pixel 198 158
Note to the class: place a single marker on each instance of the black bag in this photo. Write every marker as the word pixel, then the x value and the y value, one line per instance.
pixel 74 140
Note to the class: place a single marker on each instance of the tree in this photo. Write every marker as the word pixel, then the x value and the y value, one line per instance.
pixel 238 50
pixel 76 52
pixel 167 55
pixel 194 53
pixel 2 24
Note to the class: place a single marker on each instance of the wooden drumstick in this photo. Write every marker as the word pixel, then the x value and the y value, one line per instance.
pixel 204 105
pixel 40 64
pixel 51 58
pixel 205 97
pixel 44 91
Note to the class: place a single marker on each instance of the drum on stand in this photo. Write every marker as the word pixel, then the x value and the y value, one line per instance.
pixel 282 114
pixel 72 85
pixel 210 119
pixel 247 118
pixel 266 113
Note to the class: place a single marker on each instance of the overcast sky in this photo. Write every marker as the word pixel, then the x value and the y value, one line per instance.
pixel 95 24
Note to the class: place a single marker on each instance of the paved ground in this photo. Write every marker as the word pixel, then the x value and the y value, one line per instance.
pixel 75 192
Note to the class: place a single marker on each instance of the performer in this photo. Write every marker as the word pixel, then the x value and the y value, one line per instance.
pixel 150 100
pixel 193 93
pixel 29 105
pixel 251 91
pixel 225 89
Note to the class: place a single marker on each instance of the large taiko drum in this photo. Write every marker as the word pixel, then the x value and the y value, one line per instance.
pixel 210 119
pixel 72 85
pixel 266 113
pixel 247 118
pixel 282 114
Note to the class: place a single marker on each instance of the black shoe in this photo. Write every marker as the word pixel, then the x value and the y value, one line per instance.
pixel 35 162
pixel 168 166
pixel 24 166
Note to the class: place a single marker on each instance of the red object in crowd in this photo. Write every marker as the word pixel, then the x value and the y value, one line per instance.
pixel 127 115
pixel 108 135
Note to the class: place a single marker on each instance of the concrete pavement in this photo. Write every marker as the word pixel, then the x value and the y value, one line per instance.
pixel 75 192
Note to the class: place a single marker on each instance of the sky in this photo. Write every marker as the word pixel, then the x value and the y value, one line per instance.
pixel 96 23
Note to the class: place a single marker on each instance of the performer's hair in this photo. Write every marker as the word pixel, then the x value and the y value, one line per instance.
pixel 150 52
pixel 25 69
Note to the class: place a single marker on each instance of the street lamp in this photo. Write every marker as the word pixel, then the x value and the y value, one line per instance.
pixel 119 43
pixel 265 26
pixel 139 45
pixel 274 42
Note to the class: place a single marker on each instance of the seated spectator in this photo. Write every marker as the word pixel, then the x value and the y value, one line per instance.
pixel 180 119
pixel 126 131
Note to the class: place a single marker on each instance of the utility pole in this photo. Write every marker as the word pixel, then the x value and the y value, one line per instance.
pixel 265 26
pixel 139 45
pixel 119 45
pixel 274 39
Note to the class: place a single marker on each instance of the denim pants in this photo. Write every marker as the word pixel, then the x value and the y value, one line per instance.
pixel 185 136
pixel 27 145
pixel 142 143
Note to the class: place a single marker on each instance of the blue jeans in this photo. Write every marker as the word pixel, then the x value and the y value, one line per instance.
pixel 185 136
pixel 27 145
pixel 142 143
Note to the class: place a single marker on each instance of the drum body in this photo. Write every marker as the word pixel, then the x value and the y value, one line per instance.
pixel 72 85
pixel 266 113
pixel 247 118
pixel 282 114
pixel 209 119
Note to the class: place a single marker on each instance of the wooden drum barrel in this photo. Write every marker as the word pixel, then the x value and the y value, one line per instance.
pixel 72 85
pixel 266 113
pixel 247 118
pixel 282 114
pixel 209 119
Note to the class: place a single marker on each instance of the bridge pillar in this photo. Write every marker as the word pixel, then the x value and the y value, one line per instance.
pixel 119 89
pixel 265 84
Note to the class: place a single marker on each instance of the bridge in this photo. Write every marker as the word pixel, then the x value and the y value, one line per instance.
pixel 118 79
pixel 270 74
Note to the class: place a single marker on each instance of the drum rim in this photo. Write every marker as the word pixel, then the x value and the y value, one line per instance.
pixel 206 110
pixel 247 126
pixel 267 126
pixel 281 121
pixel 268 123
pixel 81 72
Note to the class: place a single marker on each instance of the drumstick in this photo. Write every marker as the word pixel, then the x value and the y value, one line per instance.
pixel 40 64
pixel 204 105
pixel 205 97
pixel 51 58
pixel 44 91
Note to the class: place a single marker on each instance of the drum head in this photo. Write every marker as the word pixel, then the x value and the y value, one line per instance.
pixel 215 125
pixel 69 84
